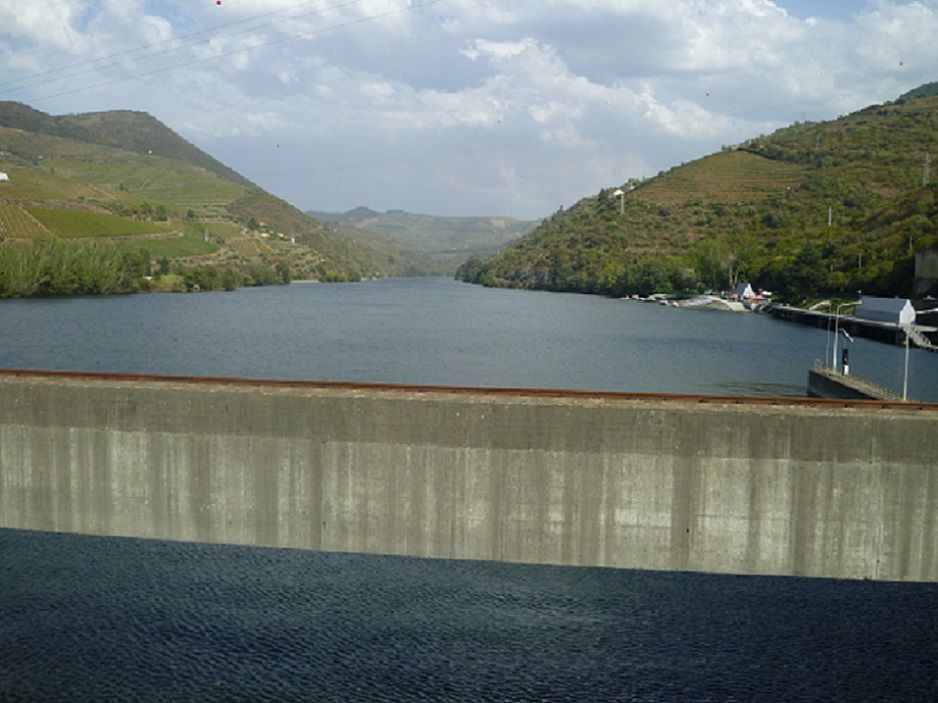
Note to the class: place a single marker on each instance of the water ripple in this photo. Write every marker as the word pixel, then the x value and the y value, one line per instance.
pixel 103 619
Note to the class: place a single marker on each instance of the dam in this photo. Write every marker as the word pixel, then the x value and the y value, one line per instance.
pixel 783 486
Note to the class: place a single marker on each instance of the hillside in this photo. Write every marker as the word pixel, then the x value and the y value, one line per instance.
pixel 830 207
pixel 125 181
pixel 447 240
pixel 408 261
pixel 923 91
pixel 131 131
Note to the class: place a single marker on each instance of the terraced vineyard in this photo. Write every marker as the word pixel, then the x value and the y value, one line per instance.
pixel 64 169
pixel 153 178
pixel 35 184
pixel 123 191
pixel 728 178
pixel 16 223
pixel 72 224
pixel 813 209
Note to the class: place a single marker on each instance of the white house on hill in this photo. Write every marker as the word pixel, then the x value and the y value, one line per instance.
pixel 895 311
pixel 4 178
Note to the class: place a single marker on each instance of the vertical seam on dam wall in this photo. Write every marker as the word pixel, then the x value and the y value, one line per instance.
pixel 682 497
pixel 773 490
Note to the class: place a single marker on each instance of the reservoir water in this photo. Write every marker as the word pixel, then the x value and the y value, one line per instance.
pixel 106 619
pixel 437 331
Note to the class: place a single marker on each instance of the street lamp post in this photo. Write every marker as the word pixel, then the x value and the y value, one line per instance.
pixel 905 373
pixel 837 331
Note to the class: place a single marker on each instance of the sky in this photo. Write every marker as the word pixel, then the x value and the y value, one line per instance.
pixel 463 107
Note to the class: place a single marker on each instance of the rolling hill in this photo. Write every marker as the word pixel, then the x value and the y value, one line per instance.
pixel 125 180
pixel 131 131
pixel 447 240
pixel 827 207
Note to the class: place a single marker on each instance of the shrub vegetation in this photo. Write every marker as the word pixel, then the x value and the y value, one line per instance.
pixel 815 208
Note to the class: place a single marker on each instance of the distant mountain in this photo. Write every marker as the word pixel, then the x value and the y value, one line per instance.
pixel 123 181
pixel 815 208
pixel 448 240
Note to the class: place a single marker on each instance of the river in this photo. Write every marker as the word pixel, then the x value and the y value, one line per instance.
pixel 108 619
pixel 437 331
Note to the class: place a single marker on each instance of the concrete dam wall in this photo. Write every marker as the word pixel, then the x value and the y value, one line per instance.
pixel 600 479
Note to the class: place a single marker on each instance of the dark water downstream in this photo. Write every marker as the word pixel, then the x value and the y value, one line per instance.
pixel 94 619
pixel 102 619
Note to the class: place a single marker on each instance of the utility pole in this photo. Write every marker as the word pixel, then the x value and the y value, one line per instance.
pixel 925 175
pixel 830 215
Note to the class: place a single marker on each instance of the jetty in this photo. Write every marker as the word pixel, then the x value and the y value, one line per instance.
pixel 827 383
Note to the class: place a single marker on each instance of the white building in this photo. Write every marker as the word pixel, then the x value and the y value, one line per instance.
pixel 895 311
pixel 4 178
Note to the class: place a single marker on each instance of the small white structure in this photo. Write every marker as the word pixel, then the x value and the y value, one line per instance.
pixel 4 178
pixel 894 311
pixel 743 292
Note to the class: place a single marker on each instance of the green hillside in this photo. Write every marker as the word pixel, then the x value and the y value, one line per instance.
pixel 830 207
pixel 923 91
pixel 78 224
pixel 449 241
pixel 92 178
pixel 130 131
pixel 395 254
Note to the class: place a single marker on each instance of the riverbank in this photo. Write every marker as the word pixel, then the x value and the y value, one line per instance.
pixel 52 267
pixel 701 302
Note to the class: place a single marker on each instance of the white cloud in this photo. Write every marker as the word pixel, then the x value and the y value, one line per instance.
pixel 34 23
pixel 465 106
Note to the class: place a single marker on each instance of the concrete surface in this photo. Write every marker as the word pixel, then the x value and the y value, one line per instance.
pixel 748 489
pixel 826 383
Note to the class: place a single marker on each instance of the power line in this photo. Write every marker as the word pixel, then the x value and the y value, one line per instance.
pixel 70 69
pixel 90 65
pixel 281 40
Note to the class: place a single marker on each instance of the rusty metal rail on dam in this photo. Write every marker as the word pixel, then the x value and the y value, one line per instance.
pixel 470 390
pixel 796 486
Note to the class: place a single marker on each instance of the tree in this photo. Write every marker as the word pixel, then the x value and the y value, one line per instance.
pixel 806 275
pixel 653 277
